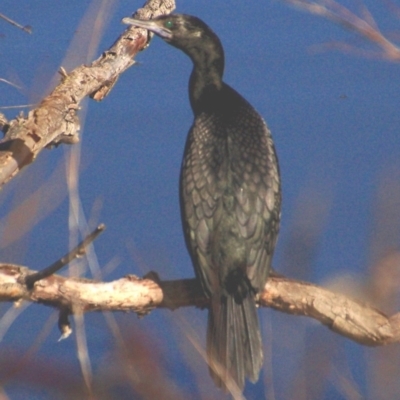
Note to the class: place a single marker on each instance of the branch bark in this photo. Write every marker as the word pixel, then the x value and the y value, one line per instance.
pixel 355 320
pixel 55 120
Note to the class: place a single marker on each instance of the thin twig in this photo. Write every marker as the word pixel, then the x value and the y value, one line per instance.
pixel 26 28
pixel 10 83
pixel 16 107
pixel 78 251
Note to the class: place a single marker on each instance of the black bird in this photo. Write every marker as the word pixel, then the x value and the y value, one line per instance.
pixel 230 201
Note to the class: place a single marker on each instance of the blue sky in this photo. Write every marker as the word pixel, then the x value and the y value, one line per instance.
pixel 334 118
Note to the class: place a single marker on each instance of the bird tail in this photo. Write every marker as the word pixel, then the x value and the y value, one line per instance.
pixel 234 346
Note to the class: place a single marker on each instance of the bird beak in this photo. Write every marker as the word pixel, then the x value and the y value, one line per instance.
pixel 150 25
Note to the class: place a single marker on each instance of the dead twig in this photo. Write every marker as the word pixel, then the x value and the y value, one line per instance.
pixel 78 251
pixel 26 28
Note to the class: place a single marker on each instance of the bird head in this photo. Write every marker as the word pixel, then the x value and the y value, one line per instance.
pixel 182 31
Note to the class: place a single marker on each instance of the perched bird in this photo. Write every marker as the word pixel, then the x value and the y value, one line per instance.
pixel 230 201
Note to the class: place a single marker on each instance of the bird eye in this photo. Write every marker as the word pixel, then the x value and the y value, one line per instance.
pixel 169 24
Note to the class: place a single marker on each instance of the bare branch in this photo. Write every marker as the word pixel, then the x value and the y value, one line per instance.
pixel 126 294
pixel 357 321
pixel 55 119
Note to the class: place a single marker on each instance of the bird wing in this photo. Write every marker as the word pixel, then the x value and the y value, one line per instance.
pixel 230 183
pixel 200 195
pixel 258 197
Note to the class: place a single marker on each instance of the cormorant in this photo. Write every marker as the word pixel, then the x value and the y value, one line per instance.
pixel 230 201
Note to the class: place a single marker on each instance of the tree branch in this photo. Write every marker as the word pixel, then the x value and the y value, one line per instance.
pixel 55 120
pixel 355 320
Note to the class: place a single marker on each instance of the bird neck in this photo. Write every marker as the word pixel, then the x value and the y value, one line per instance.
pixel 206 77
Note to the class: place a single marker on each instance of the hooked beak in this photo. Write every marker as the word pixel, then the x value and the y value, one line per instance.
pixel 150 25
